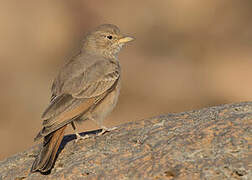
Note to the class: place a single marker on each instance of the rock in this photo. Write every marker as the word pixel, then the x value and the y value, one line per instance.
pixel 211 143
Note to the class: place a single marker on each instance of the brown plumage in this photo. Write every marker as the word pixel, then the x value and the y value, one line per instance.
pixel 86 88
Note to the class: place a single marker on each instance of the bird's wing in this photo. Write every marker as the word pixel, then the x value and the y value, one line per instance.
pixel 79 92
pixel 94 80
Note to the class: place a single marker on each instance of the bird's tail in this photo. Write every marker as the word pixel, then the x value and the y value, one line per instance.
pixel 45 159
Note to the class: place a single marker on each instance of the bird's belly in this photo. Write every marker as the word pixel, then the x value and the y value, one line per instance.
pixel 106 106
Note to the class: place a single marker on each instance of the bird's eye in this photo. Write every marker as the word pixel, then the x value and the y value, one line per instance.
pixel 109 37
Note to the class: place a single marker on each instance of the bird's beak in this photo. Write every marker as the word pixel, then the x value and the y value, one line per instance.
pixel 126 39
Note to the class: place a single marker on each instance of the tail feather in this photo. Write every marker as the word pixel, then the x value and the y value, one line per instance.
pixel 45 159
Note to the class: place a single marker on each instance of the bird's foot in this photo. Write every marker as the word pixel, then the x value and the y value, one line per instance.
pixel 79 137
pixel 105 129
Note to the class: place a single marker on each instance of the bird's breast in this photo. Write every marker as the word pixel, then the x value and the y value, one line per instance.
pixel 107 104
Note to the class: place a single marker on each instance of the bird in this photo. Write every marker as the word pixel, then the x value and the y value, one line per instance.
pixel 86 88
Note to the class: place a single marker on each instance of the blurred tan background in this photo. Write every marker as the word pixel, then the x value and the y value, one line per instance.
pixel 188 54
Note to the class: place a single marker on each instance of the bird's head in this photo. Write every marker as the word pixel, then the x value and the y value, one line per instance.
pixel 106 40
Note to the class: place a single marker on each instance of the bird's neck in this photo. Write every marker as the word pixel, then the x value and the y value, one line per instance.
pixel 105 54
pixel 109 55
pixel 99 50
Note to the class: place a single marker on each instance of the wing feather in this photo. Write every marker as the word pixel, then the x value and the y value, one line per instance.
pixel 74 91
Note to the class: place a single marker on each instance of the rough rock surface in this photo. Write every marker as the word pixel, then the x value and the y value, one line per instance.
pixel 211 143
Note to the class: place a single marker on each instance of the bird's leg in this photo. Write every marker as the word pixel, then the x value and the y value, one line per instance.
pixel 104 128
pixel 78 136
